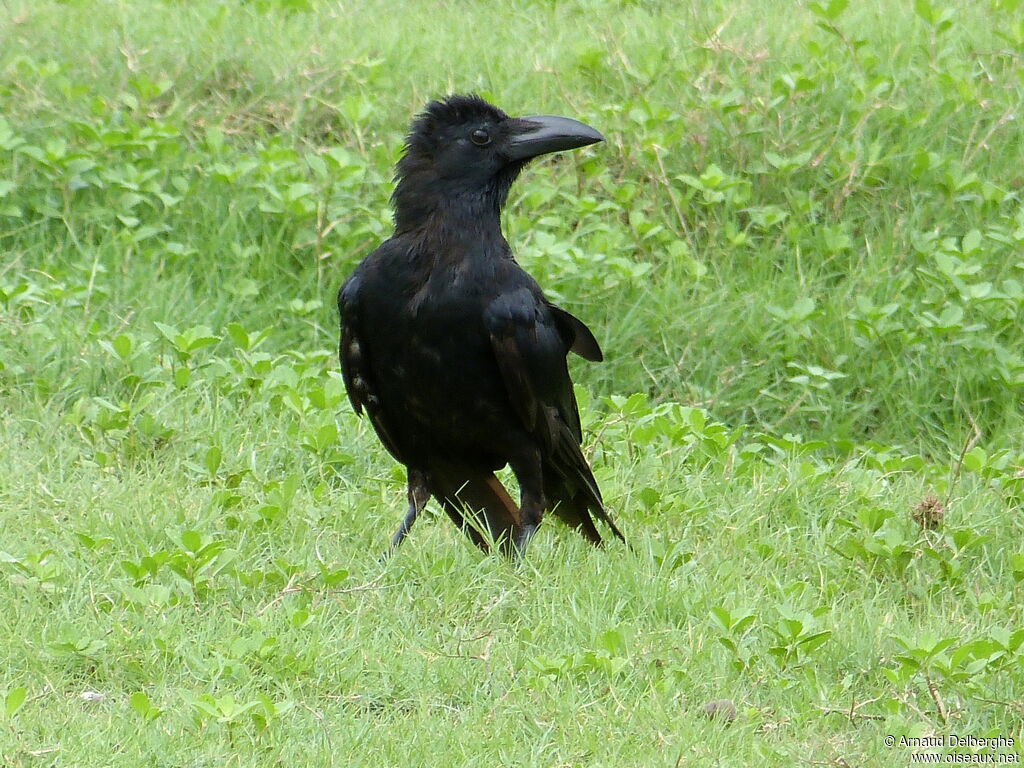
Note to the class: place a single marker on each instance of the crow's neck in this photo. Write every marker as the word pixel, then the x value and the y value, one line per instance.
pixel 449 217
pixel 450 213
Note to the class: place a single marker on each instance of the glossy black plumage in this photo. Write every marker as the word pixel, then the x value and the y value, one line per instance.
pixel 453 351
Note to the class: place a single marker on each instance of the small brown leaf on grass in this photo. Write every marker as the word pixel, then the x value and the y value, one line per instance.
pixel 720 709
pixel 928 513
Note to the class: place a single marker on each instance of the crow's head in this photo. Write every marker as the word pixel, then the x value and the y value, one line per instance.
pixel 464 150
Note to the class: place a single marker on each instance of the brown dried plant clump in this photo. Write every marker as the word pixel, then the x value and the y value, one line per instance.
pixel 929 513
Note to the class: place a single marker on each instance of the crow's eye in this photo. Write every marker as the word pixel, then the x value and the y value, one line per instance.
pixel 480 137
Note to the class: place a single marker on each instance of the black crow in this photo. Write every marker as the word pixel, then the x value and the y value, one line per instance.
pixel 452 349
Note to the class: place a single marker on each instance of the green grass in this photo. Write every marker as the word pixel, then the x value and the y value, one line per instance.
pixel 801 249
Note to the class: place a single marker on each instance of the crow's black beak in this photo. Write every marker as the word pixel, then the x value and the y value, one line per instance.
pixel 541 134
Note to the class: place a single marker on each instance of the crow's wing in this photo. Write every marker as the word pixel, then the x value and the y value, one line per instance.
pixel 531 338
pixel 355 367
pixel 577 335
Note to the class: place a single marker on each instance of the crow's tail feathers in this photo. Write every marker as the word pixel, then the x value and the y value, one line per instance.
pixel 480 506
pixel 574 509
pixel 571 490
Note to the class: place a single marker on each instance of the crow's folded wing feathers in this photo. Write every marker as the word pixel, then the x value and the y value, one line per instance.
pixel 580 339
pixel 530 338
pixel 355 368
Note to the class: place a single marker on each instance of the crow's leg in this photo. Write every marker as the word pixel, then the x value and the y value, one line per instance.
pixel 529 471
pixel 418 495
